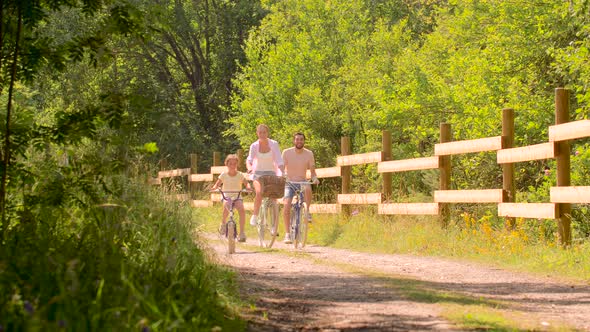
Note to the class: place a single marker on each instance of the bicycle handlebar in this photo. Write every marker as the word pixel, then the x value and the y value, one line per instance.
pixel 230 191
pixel 225 192
pixel 299 182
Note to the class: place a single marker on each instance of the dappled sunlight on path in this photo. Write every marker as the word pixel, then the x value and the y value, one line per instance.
pixel 326 289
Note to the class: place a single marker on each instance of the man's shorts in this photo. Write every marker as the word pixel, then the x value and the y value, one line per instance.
pixel 290 190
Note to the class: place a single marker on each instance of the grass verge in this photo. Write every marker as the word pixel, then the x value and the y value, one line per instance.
pixel 504 248
pixel 128 263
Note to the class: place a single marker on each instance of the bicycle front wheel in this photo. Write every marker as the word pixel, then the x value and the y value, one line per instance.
pixel 298 226
pixel 267 225
pixel 231 236
pixel 302 232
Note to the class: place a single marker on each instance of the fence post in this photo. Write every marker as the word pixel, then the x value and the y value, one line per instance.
pixel 385 156
pixel 216 158
pixel 164 182
pixel 193 185
pixel 563 166
pixel 345 173
pixel 508 168
pixel 444 165
pixel 241 160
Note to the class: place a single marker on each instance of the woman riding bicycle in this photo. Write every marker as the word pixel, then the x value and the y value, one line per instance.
pixel 264 158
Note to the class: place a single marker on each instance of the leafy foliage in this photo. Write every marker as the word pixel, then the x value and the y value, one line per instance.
pixel 80 250
pixel 312 67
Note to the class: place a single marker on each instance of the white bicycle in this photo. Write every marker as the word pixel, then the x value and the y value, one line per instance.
pixel 272 188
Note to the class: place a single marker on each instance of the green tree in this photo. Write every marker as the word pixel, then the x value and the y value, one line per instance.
pixel 24 51
pixel 180 74
pixel 293 78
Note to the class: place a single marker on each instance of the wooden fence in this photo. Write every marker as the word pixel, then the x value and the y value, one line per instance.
pixel 557 147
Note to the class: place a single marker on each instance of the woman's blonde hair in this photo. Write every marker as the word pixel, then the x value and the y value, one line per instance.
pixel 262 125
pixel 230 157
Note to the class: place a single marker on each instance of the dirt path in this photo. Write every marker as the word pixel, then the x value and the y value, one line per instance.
pixel 325 289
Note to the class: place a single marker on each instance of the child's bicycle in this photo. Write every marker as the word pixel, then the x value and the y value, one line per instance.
pixel 229 230
pixel 299 209
pixel 273 187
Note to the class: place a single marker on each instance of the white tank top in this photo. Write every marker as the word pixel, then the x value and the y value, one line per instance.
pixel 265 162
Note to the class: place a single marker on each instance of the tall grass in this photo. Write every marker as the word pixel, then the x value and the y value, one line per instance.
pixel 466 238
pixel 128 262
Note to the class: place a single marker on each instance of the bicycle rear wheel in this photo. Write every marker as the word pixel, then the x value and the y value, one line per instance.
pixel 267 225
pixel 231 236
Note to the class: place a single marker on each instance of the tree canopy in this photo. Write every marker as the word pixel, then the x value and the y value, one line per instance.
pixel 355 68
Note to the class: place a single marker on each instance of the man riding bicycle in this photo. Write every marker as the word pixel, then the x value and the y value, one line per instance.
pixel 297 161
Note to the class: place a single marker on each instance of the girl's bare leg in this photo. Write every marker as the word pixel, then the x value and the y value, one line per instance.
pixel 225 213
pixel 242 213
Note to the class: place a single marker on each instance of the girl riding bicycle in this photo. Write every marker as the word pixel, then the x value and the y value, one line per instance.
pixel 233 180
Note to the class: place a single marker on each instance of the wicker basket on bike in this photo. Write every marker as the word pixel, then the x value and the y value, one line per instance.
pixel 272 186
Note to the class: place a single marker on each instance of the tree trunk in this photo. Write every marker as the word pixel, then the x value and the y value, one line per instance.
pixel 1 48
pixel 6 159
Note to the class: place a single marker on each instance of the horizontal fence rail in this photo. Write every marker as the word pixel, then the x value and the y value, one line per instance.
pixel 526 153
pixel 557 148
pixel 568 131
pixel 359 159
pixel 528 210
pixel 415 164
pixel 468 146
